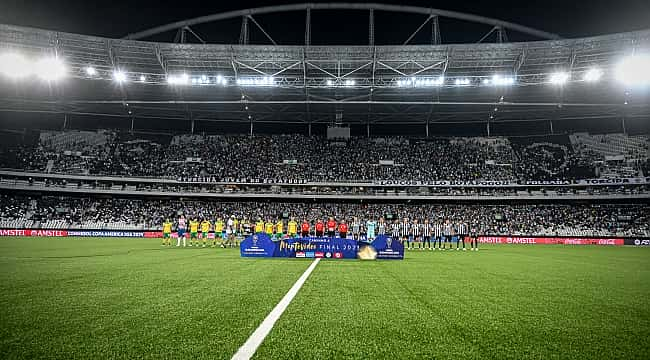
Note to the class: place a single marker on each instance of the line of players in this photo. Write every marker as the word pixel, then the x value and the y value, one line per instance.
pixel 415 234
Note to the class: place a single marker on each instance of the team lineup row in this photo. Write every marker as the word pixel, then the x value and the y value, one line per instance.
pixel 415 234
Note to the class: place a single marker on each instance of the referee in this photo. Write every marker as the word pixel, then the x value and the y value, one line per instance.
pixel 462 233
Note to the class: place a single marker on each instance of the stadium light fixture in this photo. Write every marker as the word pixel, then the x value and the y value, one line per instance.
pixel 15 66
pixel 420 82
pixel 593 75
pixel 50 69
pixel 462 82
pixel 91 71
pixel 499 80
pixel 222 80
pixel 559 78
pixel 634 70
pixel 350 82
pixel 329 82
pixel 143 78
pixel 119 76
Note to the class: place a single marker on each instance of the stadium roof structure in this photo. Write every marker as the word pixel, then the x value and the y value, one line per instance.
pixel 360 85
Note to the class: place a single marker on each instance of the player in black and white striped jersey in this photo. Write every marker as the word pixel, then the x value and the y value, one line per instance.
pixel 416 231
pixel 382 227
pixel 396 230
pixel 437 234
pixel 405 232
pixel 426 234
pixel 447 232
pixel 461 232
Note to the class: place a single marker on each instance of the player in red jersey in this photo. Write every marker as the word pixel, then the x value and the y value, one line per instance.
pixel 304 228
pixel 320 228
pixel 331 227
pixel 343 229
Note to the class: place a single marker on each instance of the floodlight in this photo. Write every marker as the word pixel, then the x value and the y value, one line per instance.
pixel 143 78
pixel 559 78
pixel 91 71
pixel 634 70
pixel 50 69
pixel 14 65
pixel 593 75
pixel 119 76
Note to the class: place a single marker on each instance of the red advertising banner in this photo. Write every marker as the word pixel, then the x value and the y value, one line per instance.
pixel 36 233
pixel 549 240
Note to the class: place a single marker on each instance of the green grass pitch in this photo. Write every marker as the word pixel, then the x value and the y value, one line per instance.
pixel 130 298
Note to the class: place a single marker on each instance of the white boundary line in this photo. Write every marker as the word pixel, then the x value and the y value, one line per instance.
pixel 247 350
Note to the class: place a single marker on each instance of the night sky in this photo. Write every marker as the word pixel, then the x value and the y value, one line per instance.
pixel 118 18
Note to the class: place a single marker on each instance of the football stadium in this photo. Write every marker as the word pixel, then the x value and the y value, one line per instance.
pixel 324 181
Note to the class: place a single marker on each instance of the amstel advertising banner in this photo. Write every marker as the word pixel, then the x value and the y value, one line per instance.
pixel 550 240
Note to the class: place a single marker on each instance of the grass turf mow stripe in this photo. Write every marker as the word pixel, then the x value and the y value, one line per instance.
pixel 247 350
pixel 131 298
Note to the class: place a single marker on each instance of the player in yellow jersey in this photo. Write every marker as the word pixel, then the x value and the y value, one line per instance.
pixel 205 229
pixel 194 231
pixel 167 233
pixel 268 228
pixel 259 226
pixel 292 228
pixel 218 231
pixel 279 229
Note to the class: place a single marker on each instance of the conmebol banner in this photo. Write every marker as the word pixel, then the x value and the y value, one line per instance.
pixel 383 247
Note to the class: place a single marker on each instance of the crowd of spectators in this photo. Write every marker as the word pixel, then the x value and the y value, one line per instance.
pixel 574 220
pixel 296 157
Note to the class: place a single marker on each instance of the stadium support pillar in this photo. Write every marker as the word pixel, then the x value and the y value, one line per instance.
pixel 251 129
pixel 623 124
pixel 426 129
pixel 368 129
pixel 488 128
pixel 192 126
pixel 132 124
pixel 308 27
pixel 550 124
pixel 309 129
pixel 65 121
pixel 371 28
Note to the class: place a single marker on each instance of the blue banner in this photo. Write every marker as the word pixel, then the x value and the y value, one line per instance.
pixel 261 245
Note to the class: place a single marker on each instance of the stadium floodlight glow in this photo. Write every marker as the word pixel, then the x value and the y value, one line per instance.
pixel 329 82
pixel 634 70
pixel 221 80
pixel 143 78
pixel 182 79
pixel 256 81
pixel 50 69
pixel 559 78
pixel 420 82
pixel 593 75
pixel 462 82
pixel 91 71
pixel 119 76
pixel 15 66
pixel 499 80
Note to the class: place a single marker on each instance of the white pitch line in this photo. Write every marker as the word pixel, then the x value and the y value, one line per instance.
pixel 247 350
